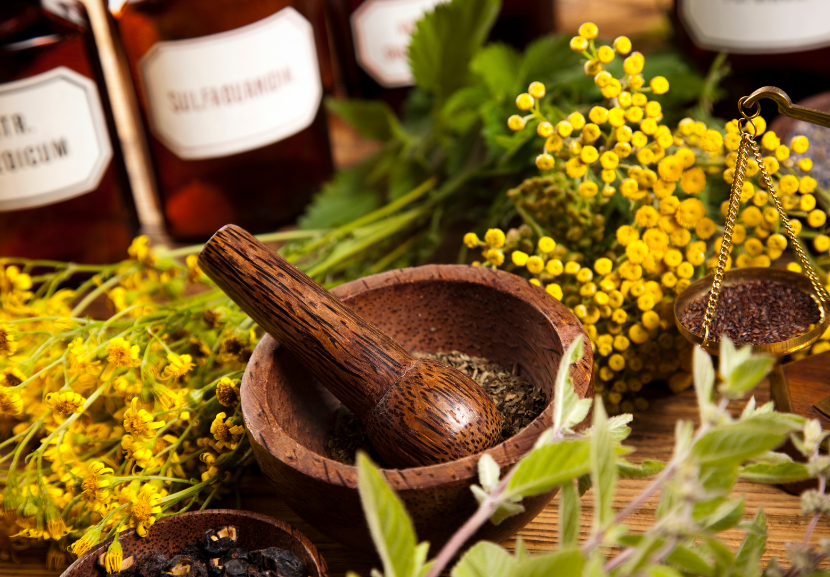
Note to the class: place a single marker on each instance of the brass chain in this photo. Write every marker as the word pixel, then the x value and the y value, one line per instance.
pixel 821 293
pixel 747 142
pixel 728 228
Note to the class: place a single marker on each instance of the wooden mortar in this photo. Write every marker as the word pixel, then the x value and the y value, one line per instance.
pixel 416 411
pixel 474 310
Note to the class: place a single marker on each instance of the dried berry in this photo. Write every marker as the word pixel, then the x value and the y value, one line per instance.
pixel 153 565
pixel 236 568
pixel 220 540
pixel 214 567
pixel 282 563
pixel 178 566
pixel 236 553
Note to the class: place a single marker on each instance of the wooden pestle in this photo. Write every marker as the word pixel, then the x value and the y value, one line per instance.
pixel 416 411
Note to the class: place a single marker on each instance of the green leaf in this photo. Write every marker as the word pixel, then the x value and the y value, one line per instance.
pixel 726 515
pixel 504 511
pixel 567 563
pixel 568 409
pixel 545 57
pixel 731 357
pixel 704 377
pixel 389 524
pixel 341 200
pixel 690 562
pixel 488 472
pixel 618 427
pixel 421 565
pixel 603 466
pixel 647 468
pixel 373 119
pixel 721 553
pixel 461 111
pixel 753 546
pixel 775 474
pixel 546 467
pixel 737 442
pixel 594 566
pixel 569 515
pixel 746 376
pixel 498 64
pixel 484 559
pixel 445 41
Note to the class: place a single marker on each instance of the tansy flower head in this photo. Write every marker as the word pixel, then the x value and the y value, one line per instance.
pixel 140 251
pixel 689 212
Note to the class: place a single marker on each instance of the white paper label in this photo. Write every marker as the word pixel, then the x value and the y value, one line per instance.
pixel 758 26
pixel 54 143
pixel 235 91
pixel 382 30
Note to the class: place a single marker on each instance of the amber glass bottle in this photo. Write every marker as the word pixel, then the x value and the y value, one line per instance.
pixel 64 192
pixel 230 94
pixel 371 38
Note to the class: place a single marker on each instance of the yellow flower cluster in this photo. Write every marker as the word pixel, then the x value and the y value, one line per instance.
pixel 616 162
pixel 106 423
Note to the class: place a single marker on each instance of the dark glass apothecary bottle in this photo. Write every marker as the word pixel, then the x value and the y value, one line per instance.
pixel 230 93
pixel 64 192
pixel 372 38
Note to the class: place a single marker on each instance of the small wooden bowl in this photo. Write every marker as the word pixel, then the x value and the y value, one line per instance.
pixel 475 310
pixel 170 534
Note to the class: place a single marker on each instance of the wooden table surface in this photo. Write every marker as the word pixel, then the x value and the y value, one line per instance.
pixel 652 437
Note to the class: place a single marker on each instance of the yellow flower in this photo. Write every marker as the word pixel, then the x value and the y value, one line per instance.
pixel 636 251
pixel 96 484
pixel 524 101
pixel 65 402
pixel 515 123
pixel 519 258
pixel 546 244
pixel 634 64
pixel 680 237
pixel 545 162
pixel 139 422
pixel 588 189
pixel 705 228
pixel 789 184
pixel 800 144
pixel 114 556
pixel 646 216
pixel 817 218
pixel 821 243
pixel 178 366
pixel 807 203
pixel 10 402
pixel 770 141
pixel 227 392
pixel 471 240
pixel 145 508
pixel 555 267
pixel 579 44
pixel 225 432
pixel 535 265
pixel 693 180
pixel 494 256
pixel 575 168
pixel 670 169
pixel 659 85
pixel 554 290
pixel 807 185
pixel 656 239
pixel 554 143
pixel 627 234
pixel 622 45
pixel 8 341
pixel 598 115
pixel 121 354
pixel 689 212
pixel 536 89
pixel 588 30
pixel 494 237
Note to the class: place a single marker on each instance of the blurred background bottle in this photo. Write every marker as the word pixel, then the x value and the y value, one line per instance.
pixel 371 39
pixel 230 94
pixel 64 192
pixel 784 44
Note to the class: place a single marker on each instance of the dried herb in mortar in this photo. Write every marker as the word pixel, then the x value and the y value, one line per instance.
pixel 515 397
